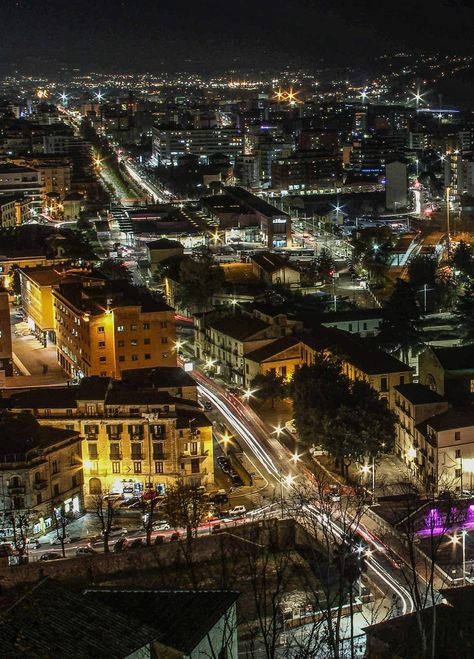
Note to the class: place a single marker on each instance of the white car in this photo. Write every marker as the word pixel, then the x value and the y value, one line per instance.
pixel 160 526
pixel 238 511
pixel 290 426
pixel 57 540
pixel 115 531
pixel 32 544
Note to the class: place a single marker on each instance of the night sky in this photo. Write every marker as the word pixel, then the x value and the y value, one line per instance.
pixel 150 34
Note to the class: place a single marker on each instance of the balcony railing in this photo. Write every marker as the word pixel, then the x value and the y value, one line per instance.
pixel 40 485
pixel 16 489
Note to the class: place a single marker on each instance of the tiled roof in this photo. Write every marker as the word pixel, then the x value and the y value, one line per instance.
pixel 418 394
pixel 239 326
pixel 272 349
pixel 160 377
pixel 459 358
pixel 271 262
pixel 181 618
pixel 454 418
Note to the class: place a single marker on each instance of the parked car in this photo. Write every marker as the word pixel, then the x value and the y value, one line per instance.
pixel 290 426
pixel 137 543
pixel 207 405
pixel 50 556
pixel 159 540
pixel 174 536
pixel 58 540
pixel 238 511
pixel 160 526
pixel 32 544
pixel 224 463
pixel 120 545
pixel 129 502
pixel 236 480
pixel 85 551
pixel 115 531
pixel 113 496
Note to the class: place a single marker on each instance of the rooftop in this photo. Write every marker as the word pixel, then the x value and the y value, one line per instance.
pixel 181 618
pixel 418 394
pixel 459 358
pixel 273 348
pixel 239 326
pixel 162 377
pixel 270 262
pixel 165 243
pixel 456 417
pixel 253 202
pixel 20 434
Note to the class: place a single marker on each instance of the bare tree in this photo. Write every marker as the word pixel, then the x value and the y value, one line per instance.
pixel 60 524
pixel 104 510
pixel 185 508
pixel 21 523
pixel 149 503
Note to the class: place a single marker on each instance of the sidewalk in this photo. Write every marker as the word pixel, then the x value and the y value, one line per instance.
pixel 37 365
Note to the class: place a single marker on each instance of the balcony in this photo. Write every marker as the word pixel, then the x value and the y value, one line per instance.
pixel 40 485
pixel 115 456
pixel 137 456
pixel 16 489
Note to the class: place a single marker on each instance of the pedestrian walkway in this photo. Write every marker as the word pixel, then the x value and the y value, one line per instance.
pixel 35 364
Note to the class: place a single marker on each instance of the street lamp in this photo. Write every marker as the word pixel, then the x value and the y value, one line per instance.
pixel 295 458
pixel 248 393
pixel 226 440
pixel 178 344
pixel 278 430
pixel 455 542
pixel 366 469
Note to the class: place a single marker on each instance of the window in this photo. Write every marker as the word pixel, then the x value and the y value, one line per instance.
pixel 115 451
pixel 134 342
pixel 146 342
pixel 164 324
pixel 164 355
pixel 458 473
pixel 164 340
pixel 350 327
pixel 136 451
pixel 101 330
pixel 158 451
pixel 74 481
pixel 134 358
pixel 193 448
pixel 101 344
pixel 116 467
pixel 365 326
pixel 120 328
pixel 102 359
pixel 93 454
pixel 38 499
pixel 195 466
pixel 121 358
pixel 146 326
pixel 56 490
pixel 158 467
pixel 402 379
pixel 457 435
pixel 147 355
pixel 121 343
pixel 457 453
pixel 383 384
pixel 133 327
pixel 137 467
pixel 54 467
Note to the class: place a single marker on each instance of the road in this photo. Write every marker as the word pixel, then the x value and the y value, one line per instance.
pixel 274 458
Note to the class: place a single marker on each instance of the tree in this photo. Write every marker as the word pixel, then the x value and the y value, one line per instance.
pixel 149 503
pixel 422 270
pixel 347 419
pixel 60 524
pixel 104 509
pixel 269 385
pixel 465 312
pixel 463 258
pixel 198 279
pixel 400 329
pixel 114 270
pixel 325 264
pixel 184 507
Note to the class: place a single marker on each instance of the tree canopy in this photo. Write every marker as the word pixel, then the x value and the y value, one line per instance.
pixel 400 329
pixel 269 386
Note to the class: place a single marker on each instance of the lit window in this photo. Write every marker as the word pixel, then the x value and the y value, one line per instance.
pixel 100 330
pixel 134 358
pixel 133 327
pixel 102 359
pixel 146 326
pixel 120 328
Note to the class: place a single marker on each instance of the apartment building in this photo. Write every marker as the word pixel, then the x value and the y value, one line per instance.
pixel 40 472
pixel 14 210
pixel 21 181
pixel 224 341
pixel 434 440
pixel 135 436
pixel 169 145
pixel 105 327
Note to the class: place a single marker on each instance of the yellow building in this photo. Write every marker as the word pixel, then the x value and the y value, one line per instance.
pixel 40 471
pixel 6 363
pixel 12 259
pixel 134 437
pixel 14 210
pixel 103 328
pixel 283 357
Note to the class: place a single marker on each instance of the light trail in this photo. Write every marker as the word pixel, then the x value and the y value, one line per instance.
pixel 254 444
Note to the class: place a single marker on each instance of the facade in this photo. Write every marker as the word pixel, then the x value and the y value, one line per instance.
pixel 283 357
pixel 103 328
pixel 11 259
pixel 223 342
pixel 171 144
pixel 134 437
pixel 21 181
pixel 448 371
pixel 14 210
pixel 6 361
pixel 307 171
pixel 160 250
pixel 40 471
pixel 363 322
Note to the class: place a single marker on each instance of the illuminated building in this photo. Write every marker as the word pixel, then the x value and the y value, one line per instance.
pixel 103 328
pixel 14 210
pixel 170 144
pixel 306 171
pixel 40 471
pixel 6 364
pixel 137 434
pixel 21 181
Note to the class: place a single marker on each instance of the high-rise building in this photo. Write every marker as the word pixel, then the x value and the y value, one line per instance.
pixel 103 328
pixel 246 170
pixel 171 144
pixel 396 185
